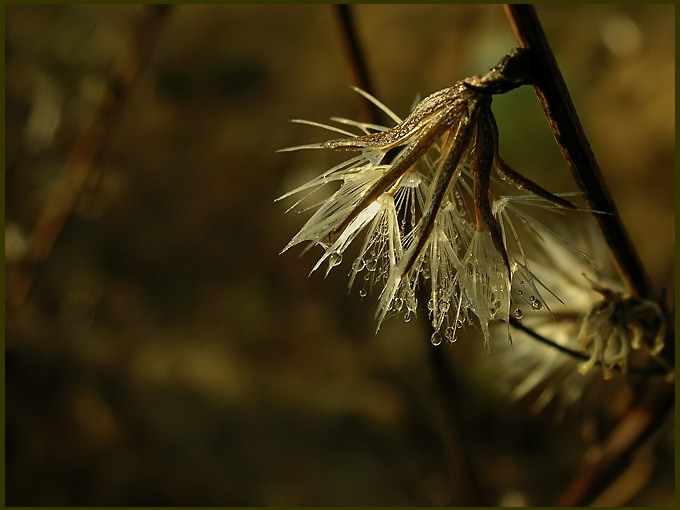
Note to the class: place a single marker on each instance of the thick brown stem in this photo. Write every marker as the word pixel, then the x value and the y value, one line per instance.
pixel 656 401
pixel 554 96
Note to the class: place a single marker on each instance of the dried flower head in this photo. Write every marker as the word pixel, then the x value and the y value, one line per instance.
pixel 618 324
pixel 421 193
pixel 554 353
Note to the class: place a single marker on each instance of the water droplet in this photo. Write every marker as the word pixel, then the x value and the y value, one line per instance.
pixel 430 304
pixel 398 304
pixel 436 338
pixel 363 292
pixel 334 259
pixel 459 323
pixel 520 292
pixel 412 302
pixel 358 264
pixel 450 334
pixel 407 316
pixel 536 305
pixel 517 313
pixel 372 263
pixel 532 298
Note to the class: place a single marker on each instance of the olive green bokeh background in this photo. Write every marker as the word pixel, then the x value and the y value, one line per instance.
pixel 168 355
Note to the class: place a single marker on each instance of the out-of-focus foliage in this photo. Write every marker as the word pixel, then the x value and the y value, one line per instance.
pixel 165 354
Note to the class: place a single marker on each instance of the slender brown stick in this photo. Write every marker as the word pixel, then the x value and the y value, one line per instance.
pixel 559 109
pixel 356 58
pixel 635 428
pixel 656 370
pixel 564 122
pixel 466 483
pixel 462 470
pixel 85 150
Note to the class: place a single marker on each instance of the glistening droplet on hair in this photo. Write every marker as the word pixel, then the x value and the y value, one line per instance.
pixel 436 338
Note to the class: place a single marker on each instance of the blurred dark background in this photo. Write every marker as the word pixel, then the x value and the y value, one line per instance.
pixel 162 352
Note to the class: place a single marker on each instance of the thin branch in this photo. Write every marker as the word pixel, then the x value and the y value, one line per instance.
pixel 357 61
pixel 85 150
pixel 655 370
pixel 635 428
pixel 463 473
pixel 559 109
pixel 655 396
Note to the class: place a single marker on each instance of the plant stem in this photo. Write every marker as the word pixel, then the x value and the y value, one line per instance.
pixel 357 61
pixel 457 440
pixel 656 399
pixel 559 109
pixel 637 427
pixel 657 370
pixel 84 153
pixel 462 470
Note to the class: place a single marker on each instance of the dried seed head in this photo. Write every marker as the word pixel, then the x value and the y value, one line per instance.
pixel 415 210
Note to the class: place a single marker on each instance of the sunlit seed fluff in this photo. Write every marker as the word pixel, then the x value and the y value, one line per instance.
pixel 419 216
pixel 485 282
pixel 617 325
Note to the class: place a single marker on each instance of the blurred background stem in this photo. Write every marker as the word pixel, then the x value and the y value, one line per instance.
pixel 83 154
pixel 462 474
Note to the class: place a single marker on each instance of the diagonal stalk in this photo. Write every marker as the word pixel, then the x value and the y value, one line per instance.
pixel 559 109
pixel 83 155
pixel 655 399
pixel 356 58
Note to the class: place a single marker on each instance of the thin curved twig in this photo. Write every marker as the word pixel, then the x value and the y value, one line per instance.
pixel 655 370
pixel 633 430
